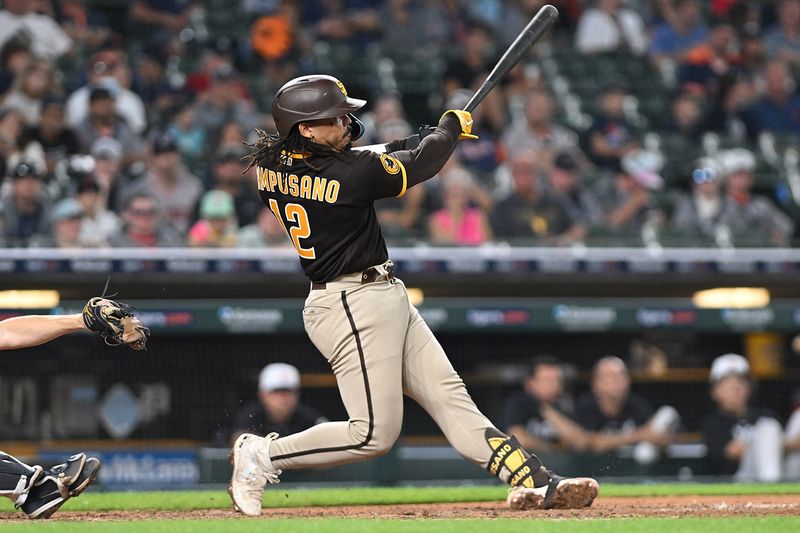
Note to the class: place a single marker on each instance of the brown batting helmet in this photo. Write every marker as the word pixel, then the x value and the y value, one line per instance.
pixel 312 98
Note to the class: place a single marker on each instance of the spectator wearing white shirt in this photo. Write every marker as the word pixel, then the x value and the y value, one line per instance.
pixel 108 70
pixel 98 224
pixel 48 40
pixel 610 27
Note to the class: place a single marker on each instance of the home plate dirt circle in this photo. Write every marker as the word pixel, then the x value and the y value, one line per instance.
pixel 651 506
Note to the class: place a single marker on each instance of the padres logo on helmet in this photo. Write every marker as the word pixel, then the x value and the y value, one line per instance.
pixel 390 164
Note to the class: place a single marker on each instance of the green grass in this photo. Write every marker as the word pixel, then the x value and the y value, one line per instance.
pixel 279 497
pixel 645 525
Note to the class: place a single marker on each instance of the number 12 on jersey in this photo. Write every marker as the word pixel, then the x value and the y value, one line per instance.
pixel 295 213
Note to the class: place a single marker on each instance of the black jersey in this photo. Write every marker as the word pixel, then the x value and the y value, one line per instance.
pixel 325 202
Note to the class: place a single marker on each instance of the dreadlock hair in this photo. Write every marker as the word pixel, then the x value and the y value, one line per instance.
pixel 269 147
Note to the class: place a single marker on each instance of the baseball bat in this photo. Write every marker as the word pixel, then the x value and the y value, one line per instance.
pixel 542 21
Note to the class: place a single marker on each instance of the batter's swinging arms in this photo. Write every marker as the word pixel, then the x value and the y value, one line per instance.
pixel 357 313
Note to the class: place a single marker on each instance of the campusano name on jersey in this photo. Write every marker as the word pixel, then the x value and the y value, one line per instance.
pixel 316 188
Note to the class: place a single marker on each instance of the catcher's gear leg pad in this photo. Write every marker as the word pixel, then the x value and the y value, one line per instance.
pixel 49 493
pixel 17 478
pixel 252 469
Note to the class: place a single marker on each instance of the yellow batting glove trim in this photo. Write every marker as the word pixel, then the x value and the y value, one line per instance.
pixel 465 119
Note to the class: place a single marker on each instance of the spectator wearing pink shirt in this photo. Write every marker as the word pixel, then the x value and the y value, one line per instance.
pixel 457 222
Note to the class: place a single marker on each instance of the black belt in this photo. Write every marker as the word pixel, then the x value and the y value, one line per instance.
pixel 370 275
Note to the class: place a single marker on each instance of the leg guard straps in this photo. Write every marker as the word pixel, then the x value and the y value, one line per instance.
pixel 16 478
pixel 511 463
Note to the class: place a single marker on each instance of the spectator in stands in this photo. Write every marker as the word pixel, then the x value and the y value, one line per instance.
pixel 107 154
pixel 611 136
pixel 752 55
pixel 705 65
pixel 217 226
pixel 628 199
pixel 30 88
pixel 226 175
pixel 231 135
pixel 458 222
pixel 143 226
pixel 150 83
pixel 56 138
pixel 611 27
pixel 385 119
pixel 681 32
pixel 778 110
pixel 687 118
pixel 278 408
pixel 728 114
pixel 697 214
pixel 188 135
pixel 87 26
pixel 470 67
pixel 530 212
pixel 216 54
pixel 66 219
pixel 353 23
pixel 742 440
pixel 47 39
pixel 617 417
pixel 791 444
pixel 750 218
pixel 564 182
pixel 538 132
pixel 25 212
pixel 109 69
pixel 539 416
pixel 175 187
pixel 402 217
pixel 428 20
pixel 102 121
pixel 265 232
pixel 482 156
pixel 783 41
pixel 160 21
pixel 14 145
pixel 98 223
pixel 222 103
pixel 15 55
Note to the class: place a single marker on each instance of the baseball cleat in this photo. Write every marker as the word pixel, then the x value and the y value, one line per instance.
pixel 50 492
pixel 250 474
pixel 559 493
pixel 86 477
pixel 67 472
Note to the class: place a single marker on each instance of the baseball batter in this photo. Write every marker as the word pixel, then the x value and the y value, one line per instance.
pixel 357 312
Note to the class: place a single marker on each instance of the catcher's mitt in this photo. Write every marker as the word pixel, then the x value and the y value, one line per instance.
pixel 115 323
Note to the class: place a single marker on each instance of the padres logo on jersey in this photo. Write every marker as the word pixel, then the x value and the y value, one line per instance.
pixel 390 164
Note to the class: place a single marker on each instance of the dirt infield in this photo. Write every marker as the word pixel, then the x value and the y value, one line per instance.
pixel 663 506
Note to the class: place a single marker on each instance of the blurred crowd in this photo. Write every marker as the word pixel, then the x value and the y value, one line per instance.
pixel 742 439
pixel 124 124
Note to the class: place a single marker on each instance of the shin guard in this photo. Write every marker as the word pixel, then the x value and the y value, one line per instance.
pixel 16 478
pixel 511 463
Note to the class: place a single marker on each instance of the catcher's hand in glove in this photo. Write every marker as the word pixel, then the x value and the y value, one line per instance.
pixel 115 323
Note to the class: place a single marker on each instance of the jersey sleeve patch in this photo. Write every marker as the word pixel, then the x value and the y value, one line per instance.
pixel 393 166
pixel 390 164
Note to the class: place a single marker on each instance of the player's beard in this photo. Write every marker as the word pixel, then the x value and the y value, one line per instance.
pixel 349 136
